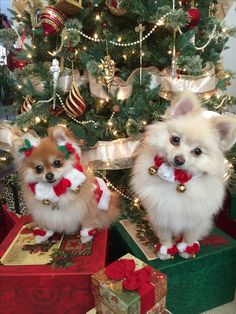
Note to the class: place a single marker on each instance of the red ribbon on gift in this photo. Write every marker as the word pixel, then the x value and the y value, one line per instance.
pixel 138 280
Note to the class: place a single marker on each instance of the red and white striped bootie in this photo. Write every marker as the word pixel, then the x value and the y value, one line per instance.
pixel 87 234
pixel 42 235
pixel 188 251
pixel 163 252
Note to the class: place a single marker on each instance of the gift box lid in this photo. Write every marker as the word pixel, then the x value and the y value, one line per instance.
pixel 77 256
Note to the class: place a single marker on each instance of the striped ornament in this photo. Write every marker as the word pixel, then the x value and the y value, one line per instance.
pixel 52 20
pixel 75 105
pixel 27 104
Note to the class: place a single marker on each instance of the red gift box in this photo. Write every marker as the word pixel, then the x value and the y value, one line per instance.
pixel 34 289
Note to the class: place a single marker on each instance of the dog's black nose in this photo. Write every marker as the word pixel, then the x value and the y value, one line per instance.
pixel 49 176
pixel 179 160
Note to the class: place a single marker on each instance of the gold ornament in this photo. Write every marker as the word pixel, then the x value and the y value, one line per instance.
pixel 70 7
pixel 152 170
pixel 180 188
pixel 34 8
pixel 46 202
pixel 77 190
pixel 220 71
pixel 108 67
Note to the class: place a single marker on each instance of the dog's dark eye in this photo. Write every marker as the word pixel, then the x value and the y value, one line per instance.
pixel 175 140
pixel 39 169
pixel 197 151
pixel 57 163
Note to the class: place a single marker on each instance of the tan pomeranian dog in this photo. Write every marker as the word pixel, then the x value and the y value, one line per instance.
pixel 60 195
pixel 178 174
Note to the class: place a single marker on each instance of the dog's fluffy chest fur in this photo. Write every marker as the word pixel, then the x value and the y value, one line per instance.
pixel 63 216
pixel 168 207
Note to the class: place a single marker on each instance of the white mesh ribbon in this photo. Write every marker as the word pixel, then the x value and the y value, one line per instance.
pixel 117 154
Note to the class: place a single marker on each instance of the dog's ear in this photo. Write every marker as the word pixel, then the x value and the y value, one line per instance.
pixel 22 144
pixel 183 104
pixel 226 128
pixel 59 134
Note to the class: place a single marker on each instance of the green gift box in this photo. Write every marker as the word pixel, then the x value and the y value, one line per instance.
pixel 194 285
pixel 233 205
pixel 144 292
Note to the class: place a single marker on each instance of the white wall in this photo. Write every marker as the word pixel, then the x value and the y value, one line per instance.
pixel 229 55
pixel 4 5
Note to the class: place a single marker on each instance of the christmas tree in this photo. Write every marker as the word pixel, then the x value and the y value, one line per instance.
pixel 105 69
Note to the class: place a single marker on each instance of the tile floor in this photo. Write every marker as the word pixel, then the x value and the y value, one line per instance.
pixel 229 308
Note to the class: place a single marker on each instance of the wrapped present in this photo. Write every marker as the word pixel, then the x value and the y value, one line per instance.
pixel 194 285
pixel 54 276
pixel 129 286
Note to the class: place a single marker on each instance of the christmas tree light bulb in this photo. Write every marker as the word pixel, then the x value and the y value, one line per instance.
pixel 109 123
pixel 119 39
pixel 95 35
pixel 98 17
pixel 29 55
pixel 37 120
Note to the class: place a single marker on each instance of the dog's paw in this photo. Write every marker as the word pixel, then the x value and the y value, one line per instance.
pixel 164 257
pixel 86 239
pixel 188 251
pixel 164 252
pixel 87 234
pixel 186 255
pixel 42 235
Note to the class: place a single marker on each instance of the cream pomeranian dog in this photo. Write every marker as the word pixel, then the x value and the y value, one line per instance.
pixel 59 194
pixel 178 174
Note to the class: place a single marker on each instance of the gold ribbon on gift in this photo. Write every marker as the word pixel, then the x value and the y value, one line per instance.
pixel 203 85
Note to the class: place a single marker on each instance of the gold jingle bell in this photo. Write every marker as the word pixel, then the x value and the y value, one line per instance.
pixel 76 191
pixel 180 188
pixel 152 170
pixel 46 202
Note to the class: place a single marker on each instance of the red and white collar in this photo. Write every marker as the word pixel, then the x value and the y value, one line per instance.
pixel 73 179
pixel 45 191
pixel 171 174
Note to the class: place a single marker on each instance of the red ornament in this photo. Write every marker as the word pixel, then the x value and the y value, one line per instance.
pixel 52 20
pixel 13 63
pixel 195 16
